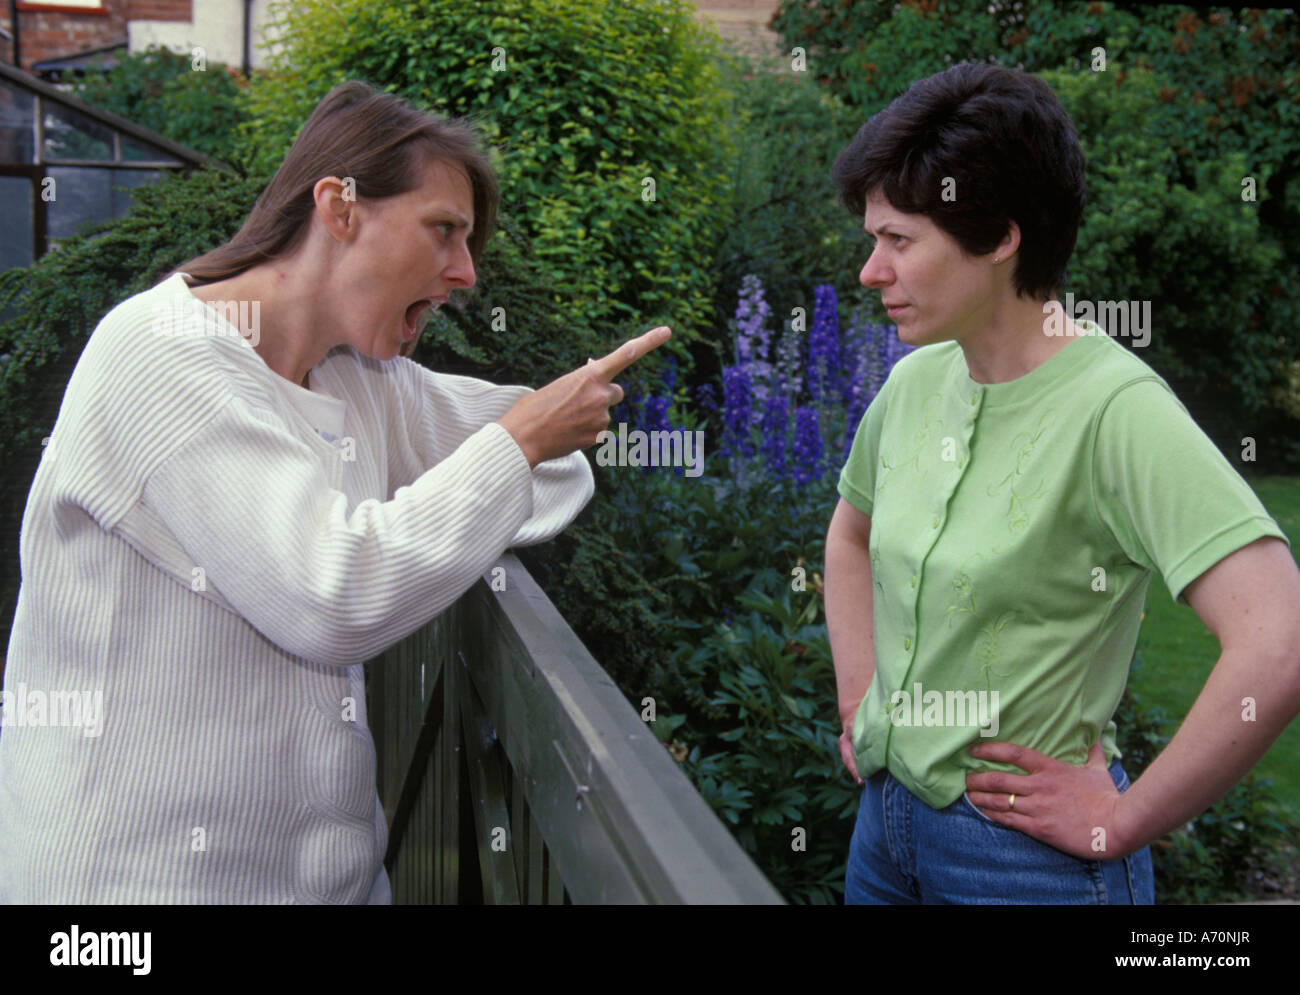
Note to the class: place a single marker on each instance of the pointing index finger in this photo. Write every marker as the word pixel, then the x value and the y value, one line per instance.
pixel 608 367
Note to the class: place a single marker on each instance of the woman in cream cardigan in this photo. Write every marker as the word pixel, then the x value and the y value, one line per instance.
pixel 242 504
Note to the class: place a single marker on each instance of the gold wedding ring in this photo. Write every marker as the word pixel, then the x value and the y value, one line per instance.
pixel 1011 806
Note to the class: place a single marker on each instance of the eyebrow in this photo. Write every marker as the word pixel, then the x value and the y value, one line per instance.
pixel 884 229
pixel 455 217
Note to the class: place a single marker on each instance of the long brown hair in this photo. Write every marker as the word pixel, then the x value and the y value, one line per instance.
pixel 379 140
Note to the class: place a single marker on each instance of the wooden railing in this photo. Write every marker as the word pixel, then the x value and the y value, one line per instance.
pixel 513 770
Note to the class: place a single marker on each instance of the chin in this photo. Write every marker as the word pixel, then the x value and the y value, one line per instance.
pixel 917 337
pixel 910 335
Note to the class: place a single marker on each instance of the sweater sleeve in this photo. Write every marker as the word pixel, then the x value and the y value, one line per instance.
pixel 445 409
pixel 253 507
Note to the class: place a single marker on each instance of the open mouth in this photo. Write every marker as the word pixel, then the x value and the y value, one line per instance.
pixel 417 316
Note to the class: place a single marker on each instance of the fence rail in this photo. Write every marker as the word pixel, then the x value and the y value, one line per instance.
pixel 513 770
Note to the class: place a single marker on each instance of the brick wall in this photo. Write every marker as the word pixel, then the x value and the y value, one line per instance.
pixel 51 34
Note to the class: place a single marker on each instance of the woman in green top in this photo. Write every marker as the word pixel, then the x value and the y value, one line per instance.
pixel 1010 493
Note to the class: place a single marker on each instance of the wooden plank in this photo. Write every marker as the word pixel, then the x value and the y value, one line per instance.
pixel 596 809
pixel 488 800
pixel 447 817
pixel 620 820
pixel 413 778
pixel 537 893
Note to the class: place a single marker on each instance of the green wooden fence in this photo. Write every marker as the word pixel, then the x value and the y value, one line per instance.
pixel 513 770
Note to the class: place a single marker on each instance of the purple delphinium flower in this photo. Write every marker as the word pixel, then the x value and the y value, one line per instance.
pixel 884 349
pixel 706 396
pixel 776 431
pixel 669 375
pixel 753 335
pixel 655 416
pixel 737 396
pixel 895 349
pixel 752 314
pixel 787 376
pixel 628 410
pixel 873 360
pixel 655 419
pixel 854 360
pixel 823 344
pixel 807 445
pixel 857 407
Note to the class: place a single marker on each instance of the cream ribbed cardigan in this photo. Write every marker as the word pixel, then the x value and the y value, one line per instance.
pixel 216 550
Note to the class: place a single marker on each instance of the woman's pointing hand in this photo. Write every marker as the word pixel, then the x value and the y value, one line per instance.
pixel 570 413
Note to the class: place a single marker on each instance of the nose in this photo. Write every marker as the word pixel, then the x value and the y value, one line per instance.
pixel 460 271
pixel 875 273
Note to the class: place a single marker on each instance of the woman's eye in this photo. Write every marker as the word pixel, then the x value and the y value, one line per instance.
pixel 896 238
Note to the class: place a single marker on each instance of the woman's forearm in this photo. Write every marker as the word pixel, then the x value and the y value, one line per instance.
pixel 849 607
pixel 1247 702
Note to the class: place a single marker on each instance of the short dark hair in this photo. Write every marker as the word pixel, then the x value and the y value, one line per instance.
pixel 1008 144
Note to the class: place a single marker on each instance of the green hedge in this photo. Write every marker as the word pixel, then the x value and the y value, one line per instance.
pixel 1189 103
pixel 1192 247
pixel 789 229
pixel 161 90
pixel 588 100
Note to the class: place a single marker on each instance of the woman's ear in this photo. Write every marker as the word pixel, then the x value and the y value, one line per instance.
pixel 1009 245
pixel 336 201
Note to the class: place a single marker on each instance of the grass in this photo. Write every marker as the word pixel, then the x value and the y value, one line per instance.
pixel 1180 652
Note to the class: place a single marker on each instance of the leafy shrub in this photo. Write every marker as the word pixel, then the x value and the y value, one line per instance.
pixel 160 90
pixel 1149 236
pixel 1217 856
pixel 591 100
pixel 750 710
pixel 1187 106
pixel 788 230
pixel 870 52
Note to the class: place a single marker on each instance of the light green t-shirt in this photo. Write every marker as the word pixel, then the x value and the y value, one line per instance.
pixel 1014 530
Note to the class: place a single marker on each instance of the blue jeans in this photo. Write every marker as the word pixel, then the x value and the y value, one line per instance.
pixel 905 853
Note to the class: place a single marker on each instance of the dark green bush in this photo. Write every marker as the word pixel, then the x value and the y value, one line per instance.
pixel 748 703
pixel 1190 102
pixel 161 90
pixel 747 708
pixel 788 230
pixel 604 597
pixel 1218 855
pixel 1149 235
pixel 594 98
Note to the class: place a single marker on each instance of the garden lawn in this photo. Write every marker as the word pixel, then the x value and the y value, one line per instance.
pixel 1179 652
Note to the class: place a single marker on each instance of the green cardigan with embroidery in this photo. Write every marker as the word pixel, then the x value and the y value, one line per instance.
pixel 1014 531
